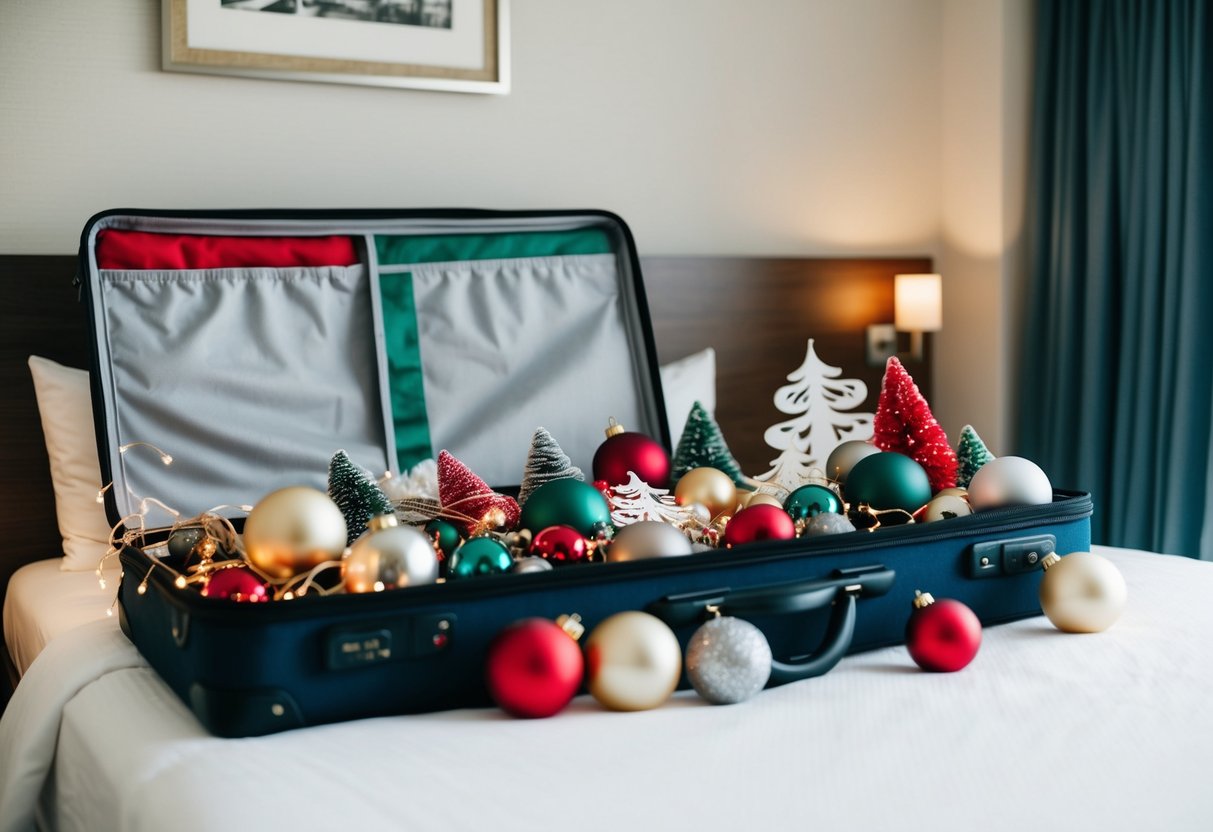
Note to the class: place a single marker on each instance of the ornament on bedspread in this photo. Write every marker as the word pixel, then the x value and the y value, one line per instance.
pixel 356 494
pixel 820 401
pixel 1082 592
pixel 545 461
pixel 535 666
pixel 728 660
pixel 942 636
pixel 633 661
pixel 904 424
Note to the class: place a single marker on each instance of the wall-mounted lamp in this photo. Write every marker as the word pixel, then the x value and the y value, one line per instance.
pixel 918 308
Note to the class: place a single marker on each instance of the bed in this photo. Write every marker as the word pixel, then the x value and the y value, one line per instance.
pixel 1108 731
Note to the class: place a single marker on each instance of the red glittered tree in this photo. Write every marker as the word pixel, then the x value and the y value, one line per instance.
pixel 468 498
pixel 904 424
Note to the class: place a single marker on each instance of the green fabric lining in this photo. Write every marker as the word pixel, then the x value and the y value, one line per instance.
pixel 406 250
pixel 406 386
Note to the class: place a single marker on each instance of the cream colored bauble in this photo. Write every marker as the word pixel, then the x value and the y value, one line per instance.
pixel 946 506
pixel 844 456
pixel 633 661
pixel 389 556
pixel 1081 592
pixel 647 539
pixel 709 487
pixel 1009 481
pixel 292 530
pixel 759 498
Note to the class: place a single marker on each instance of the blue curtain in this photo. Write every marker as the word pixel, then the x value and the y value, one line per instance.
pixel 1116 394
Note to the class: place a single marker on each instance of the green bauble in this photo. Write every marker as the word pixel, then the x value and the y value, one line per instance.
pixel 888 480
pixel 566 502
pixel 445 534
pixel 810 501
pixel 479 556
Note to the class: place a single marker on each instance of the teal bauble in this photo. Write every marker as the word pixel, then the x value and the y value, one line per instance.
pixel 566 502
pixel 479 556
pixel 887 481
pixel 445 534
pixel 810 501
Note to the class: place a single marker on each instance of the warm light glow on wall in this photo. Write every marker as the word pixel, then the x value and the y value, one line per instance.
pixel 918 303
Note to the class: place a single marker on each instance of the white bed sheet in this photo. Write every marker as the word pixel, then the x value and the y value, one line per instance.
pixel 1044 730
pixel 43 602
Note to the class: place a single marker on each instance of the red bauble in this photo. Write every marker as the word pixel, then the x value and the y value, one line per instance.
pixel 235 584
pixel 760 522
pixel 534 668
pixel 560 544
pixel 942 636
pixel 605 488
pixel 625 451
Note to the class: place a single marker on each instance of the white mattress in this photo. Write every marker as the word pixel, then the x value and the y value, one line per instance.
pixel 43 602
pixel 1042 731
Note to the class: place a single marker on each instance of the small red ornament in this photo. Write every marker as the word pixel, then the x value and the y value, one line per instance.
pixel 626 451
pixel 904 424
pixel 560 544
pixel 235 584
pixel 461 491
pixel 759 522
pixel 535 666
pixel 942 636
pixel 605 488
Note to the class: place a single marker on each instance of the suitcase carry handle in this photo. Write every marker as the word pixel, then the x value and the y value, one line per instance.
pixel 841 590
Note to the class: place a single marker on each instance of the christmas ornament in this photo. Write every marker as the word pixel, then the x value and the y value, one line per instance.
pixel 843 458
pixel 566 502
pixel 811 500
pixel 560 544
pixel 758 498
pixel 942 636
pixel 636 500
pixel 479 556
pixel 445 536
pixel 756 523
pixel 535 667
pixel 728 660
pixel 356 494
pixel 462 492
pixel 182 541
pixel 888 481
pixel 293 530
pixel 971 454
pixel 647 539
pixel 702 446
pixel 708 487
pixel 389 556
pixel 235 584
pixel 545 461
pixel 945 507
pixel 624 452
pixel 1081 592
pixel 633 661
pixel 953 492
pixel 1009 481
pixel 827 523
pixel 819 399
pixel 523 566
pixel 904 424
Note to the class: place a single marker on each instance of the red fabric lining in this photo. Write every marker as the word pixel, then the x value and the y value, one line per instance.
pixel 118 249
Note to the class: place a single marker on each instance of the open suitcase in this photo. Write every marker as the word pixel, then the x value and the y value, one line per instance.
pixel 250 345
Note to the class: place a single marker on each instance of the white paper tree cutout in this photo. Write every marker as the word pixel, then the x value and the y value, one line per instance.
pixel 636 500
pixel 819 399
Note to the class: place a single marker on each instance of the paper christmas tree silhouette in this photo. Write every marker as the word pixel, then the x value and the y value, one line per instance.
pixel 545 461
pixel 464 494
pixel 356 494
pixel 905 424
pixel 819 401
pixel 636 500
pixel 702 446
pixel 971 453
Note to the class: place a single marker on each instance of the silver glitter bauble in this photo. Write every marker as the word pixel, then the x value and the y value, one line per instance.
pixel 523 565
pixel 728 660
pixel 828 523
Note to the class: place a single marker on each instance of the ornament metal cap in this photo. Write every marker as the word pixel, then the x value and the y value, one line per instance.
pixel 381 521
pixel 613 428
pixel 922 599
pixel 1049 559
pixel 572 625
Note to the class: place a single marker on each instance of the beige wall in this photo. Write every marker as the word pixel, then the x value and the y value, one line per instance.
pixel 777 127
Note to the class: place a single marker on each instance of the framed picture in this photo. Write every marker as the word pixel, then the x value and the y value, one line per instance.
pixel 454 45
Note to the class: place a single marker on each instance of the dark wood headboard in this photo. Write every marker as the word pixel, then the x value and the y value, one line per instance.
pixel 756 312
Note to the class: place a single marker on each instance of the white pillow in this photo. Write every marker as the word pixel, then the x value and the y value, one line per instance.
pixel 684 382
pixel 66 407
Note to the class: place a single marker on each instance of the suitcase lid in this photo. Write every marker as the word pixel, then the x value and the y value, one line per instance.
pixel 446 329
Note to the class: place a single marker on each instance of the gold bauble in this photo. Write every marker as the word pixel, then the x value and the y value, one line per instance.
pixel 292 530
pixel 954 491
pixel 945 506
pixel 389 556
pixel 633 662
pixel 758 498
pixel 711 488
pixel 1082 592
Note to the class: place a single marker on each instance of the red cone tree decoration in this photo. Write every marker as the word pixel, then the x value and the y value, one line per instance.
pixel 463 493
pixel 904 424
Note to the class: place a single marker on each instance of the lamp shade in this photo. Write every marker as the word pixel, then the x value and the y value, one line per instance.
pixel 918 302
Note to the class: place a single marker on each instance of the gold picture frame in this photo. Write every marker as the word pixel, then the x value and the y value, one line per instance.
pixel 464 46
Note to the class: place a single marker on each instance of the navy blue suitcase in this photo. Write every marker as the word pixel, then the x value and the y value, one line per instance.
pixel 178 366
